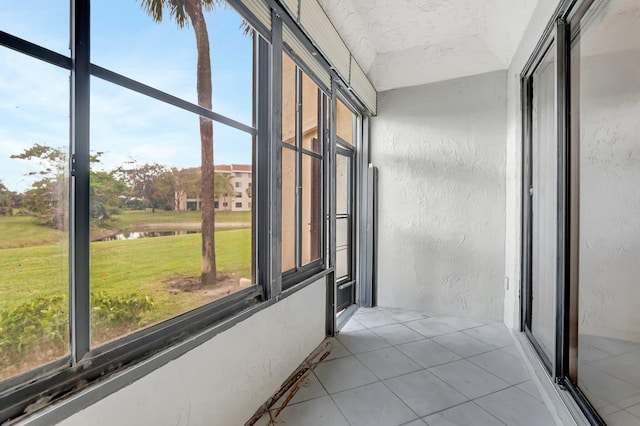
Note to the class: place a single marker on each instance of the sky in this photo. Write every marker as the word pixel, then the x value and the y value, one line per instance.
pixel 129 128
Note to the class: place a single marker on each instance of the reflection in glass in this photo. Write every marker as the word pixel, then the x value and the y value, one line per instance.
pixel 160 51
pixel 311 208
pixel 345 122
pixel 544 205
pixel 288 209
pixel 342 184
pixel 147 177
pixel 311 98
pixel 34 213
pixel 605 107
pixel 288 100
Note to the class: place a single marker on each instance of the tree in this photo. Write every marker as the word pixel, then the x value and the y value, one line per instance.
pixel 105 193
pixel 223 188
pixel 188 184
pixel 47 197
pixel 6 200
pixel 184 12
pixel 153 185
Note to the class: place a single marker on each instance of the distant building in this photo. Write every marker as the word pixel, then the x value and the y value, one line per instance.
pixel 239 200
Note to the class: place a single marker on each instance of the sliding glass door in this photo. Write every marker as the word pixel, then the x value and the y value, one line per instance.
pixel 581 204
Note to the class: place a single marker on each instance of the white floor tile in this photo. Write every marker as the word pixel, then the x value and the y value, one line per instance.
pixel 606 387
pixel 317 412
pixel 459 323
pixel 352 325
pixel 622 418
pixel 362 341
pixel 427 353
pixel 343 373
pixel 504 365
pixel 375 318
pixel 531 388
pixel 264 420
pixel 625 367
pixel 418 422
pixel 430 327
pixel 373 405
pixel 330 348
pixel 516 408
pixel 397 334
pixel 463 344
pixel 388 362
pixel 424 393
pixel 495 334
pixel 402 315
pixel 635 410
pixel 308 387
pixel 463 415
pixel 469 379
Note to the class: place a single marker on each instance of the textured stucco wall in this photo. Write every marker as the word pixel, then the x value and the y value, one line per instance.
pixel 609 271
pixel 440 150
pixel 225 380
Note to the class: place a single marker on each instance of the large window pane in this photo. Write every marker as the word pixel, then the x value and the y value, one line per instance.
pixel 34 213
pixel 161 51
pixel 345 122
pixel 43 22
pixel 288 100
pixel 288 209
pixel 150 210
pixel 544 205
pixel 311 208
pixel 606 135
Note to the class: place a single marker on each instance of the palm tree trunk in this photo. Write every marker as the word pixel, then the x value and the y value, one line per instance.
pixel 194 10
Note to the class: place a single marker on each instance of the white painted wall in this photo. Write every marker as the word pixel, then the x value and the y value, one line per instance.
pixel 440 150
pixel 224 381
pixel 609 271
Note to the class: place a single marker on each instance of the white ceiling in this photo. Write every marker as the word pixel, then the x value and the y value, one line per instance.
pixel 403 43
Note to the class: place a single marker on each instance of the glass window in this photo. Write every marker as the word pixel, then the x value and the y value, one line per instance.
pixel 311 208
pixel 605 106
pixel 144 267
pixel 311 129
pixel 301 168
pixel 161 51
pixel 238 184
pixel 544 204
pixel 43 22
pixel 34 212
pixel 288 209
pixel 289 107
pixel 345 123
pixel 238 205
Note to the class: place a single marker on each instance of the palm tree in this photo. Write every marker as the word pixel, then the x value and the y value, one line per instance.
pixel 185 12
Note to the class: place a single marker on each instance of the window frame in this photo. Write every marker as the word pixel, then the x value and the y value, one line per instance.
pixel 173 336
pixel 301 272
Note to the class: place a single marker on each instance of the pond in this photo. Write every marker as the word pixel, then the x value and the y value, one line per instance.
pixel 134 235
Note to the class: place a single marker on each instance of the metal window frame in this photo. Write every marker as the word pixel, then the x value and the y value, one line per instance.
pixel 563 23
pixel 96 365
pixel 301 272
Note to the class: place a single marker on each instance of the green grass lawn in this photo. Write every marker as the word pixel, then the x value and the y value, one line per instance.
pixel 133 217
pixel 120 271
pixel 24 231
pixel 122 267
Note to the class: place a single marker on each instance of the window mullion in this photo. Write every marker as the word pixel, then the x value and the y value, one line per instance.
pixel 298 232
pixel 79 294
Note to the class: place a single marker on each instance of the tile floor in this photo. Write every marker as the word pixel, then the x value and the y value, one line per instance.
pixel 609 375
pixel 392 367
